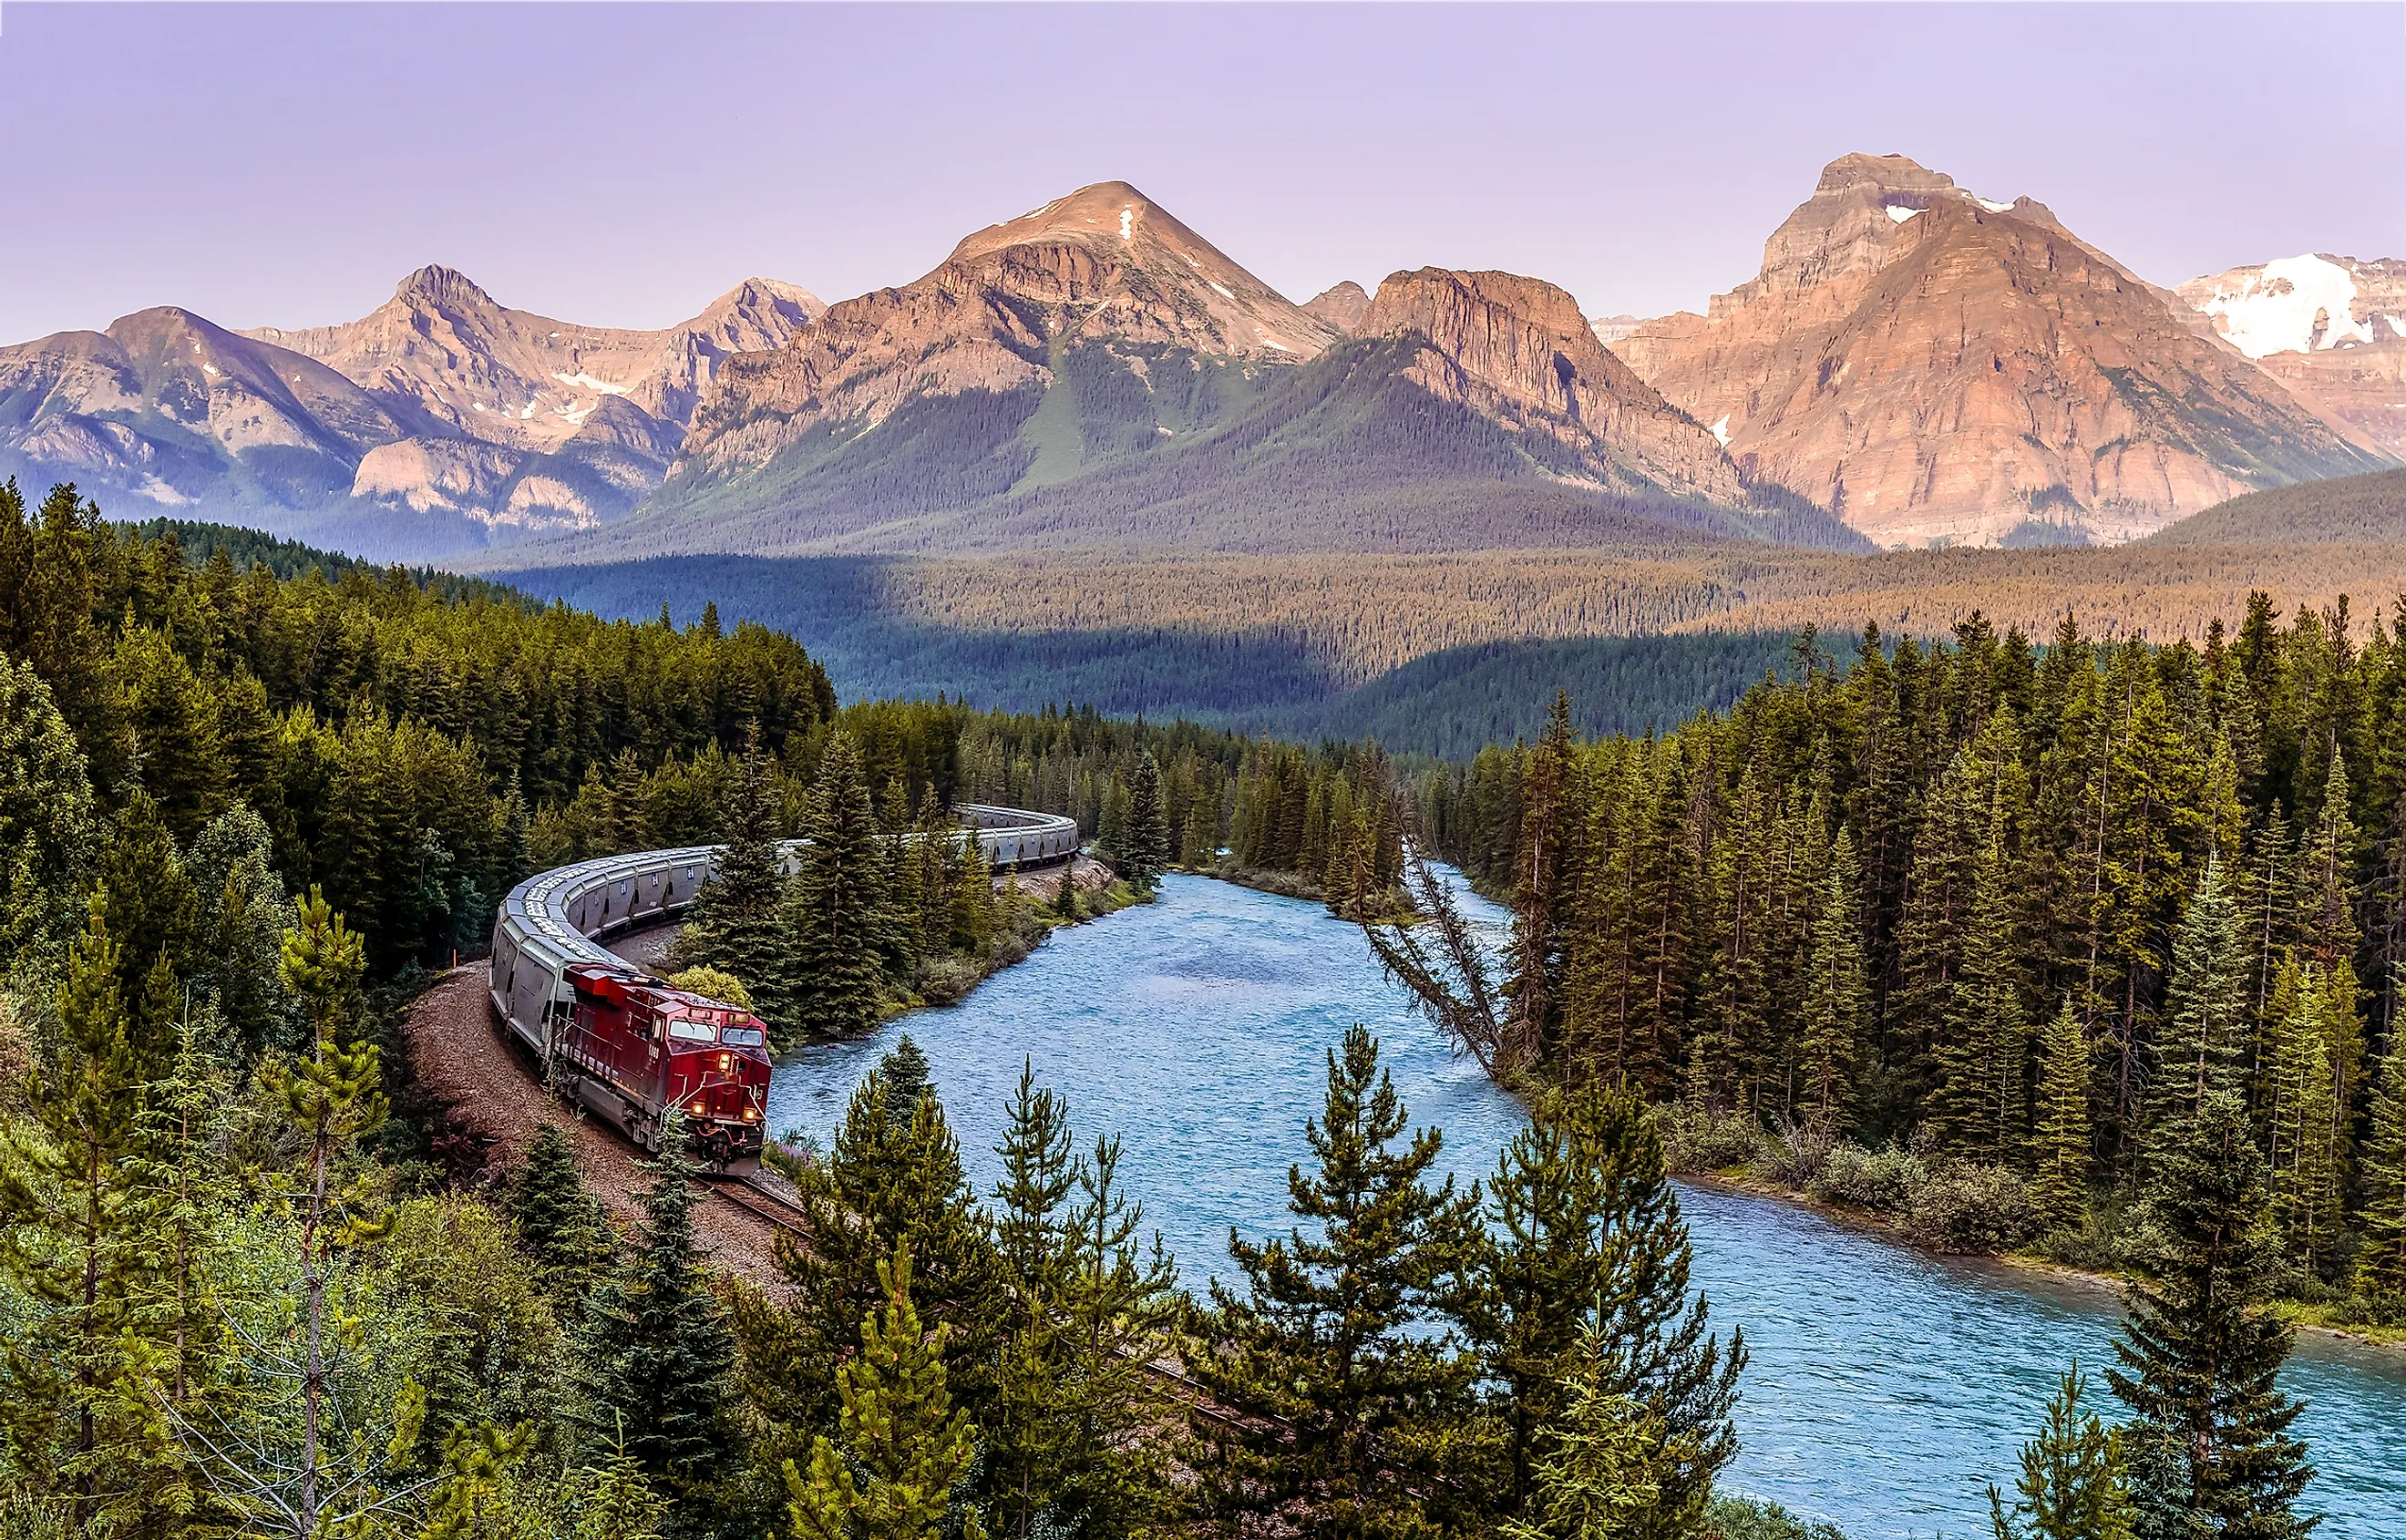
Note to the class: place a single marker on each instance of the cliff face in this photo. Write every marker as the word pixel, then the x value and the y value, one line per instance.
pixel 1517 350
pixel 1105 263
pixel 2331 328
pixel 1933 365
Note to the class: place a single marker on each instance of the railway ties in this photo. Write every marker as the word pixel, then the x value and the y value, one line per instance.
pixel 753 1200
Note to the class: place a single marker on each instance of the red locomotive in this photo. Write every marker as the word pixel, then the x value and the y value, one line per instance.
pixel 640 1050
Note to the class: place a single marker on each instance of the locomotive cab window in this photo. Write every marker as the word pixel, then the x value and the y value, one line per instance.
pixel 692 1032
pixel 741 1036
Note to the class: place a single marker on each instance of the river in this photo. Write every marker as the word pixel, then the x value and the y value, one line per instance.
pixel 1885 1387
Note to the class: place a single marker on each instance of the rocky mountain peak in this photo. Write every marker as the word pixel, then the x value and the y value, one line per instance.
pixel 437 285
pixel 1886 173
pixel 1341 306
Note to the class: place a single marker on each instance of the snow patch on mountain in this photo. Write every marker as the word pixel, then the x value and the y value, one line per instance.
pixel 2294 304
pixel 1902 212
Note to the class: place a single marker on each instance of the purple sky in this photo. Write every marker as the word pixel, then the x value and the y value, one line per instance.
pixel 621 164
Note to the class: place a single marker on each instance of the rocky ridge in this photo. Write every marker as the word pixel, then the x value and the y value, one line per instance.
pixel 1518 351
pixel 1935 366
pixel 1340 306
pixel 1103 264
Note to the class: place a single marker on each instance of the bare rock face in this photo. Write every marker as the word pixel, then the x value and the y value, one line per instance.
pixel 2332 328
pixel 1104 261
pixel 1340 307
pixel 168 407
pixel 1609 330
pixel 1517 350
pixel 1937 366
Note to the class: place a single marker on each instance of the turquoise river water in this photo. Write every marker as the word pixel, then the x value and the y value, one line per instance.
pixel 1885 1387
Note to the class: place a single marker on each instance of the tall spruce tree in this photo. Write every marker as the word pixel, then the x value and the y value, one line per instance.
pixel 735 924
pixel 2200 1350
pixel 1837 994
pixel 1147 852
pixel 1026 1428
pixel 2202 1046
pixel 73 1226
pixel 2381 1262
pixel 2303 1108
pixel 560 1222
pixel 1577 1281
pixel 2062 1153
pixel 654 1376
pixel 1343 1403
pixel 834 913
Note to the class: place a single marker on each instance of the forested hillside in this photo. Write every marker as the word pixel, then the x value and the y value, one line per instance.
pixel 2348 511
pixel 1276 643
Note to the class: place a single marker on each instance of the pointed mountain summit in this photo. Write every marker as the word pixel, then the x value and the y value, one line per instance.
pixel 1340 306
pixel 1937 366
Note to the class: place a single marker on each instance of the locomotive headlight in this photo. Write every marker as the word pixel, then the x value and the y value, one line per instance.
pixel 696 1109
pixel 751 1114
pixel 725 1062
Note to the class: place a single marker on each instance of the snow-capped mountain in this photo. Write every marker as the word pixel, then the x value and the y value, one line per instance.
pixel 2333 329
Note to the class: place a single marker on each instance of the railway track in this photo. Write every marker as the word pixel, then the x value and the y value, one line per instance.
pixel 753 1200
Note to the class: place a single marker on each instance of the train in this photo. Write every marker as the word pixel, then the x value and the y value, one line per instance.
pixel 634 1049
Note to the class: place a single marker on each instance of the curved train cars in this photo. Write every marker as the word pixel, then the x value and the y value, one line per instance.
pixel 631 1047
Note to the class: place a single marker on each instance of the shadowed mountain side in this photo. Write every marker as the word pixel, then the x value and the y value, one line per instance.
pixel 1288 679
pixel 2350 510
pixel 1452 703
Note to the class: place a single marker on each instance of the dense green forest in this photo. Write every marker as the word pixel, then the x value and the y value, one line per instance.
pixel 244 1292
pixel 1971 932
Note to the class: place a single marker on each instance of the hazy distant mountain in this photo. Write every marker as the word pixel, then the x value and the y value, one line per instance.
pixel 1340 306
pixel 1933 365
pixel 1097 373
pixel 544 424
pixel 434 423
pixel 164 411
pixel 2332 328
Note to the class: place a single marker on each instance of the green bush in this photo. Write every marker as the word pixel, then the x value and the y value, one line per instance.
pixel 1752 1519
pixel 1969 1209
pixel 1696 1139
pixel 1884 1180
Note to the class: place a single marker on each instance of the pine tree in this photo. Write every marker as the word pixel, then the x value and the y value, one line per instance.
pixel 2073 1484
pixel 835 914
pixel 1322 1337
pixel 2201 1351
pixel 892 1173
pixel 904 1449
pixel 72 1223
pixel 1026 1430
pixel 2381 1263
pixel 656 1366
pixel 1837 994
pixel 2304 1119
pixel 559 1224
pixel 1581 1270
pixel 1117 1303
pixel 1148 853
pixel 2202 1046
pixel 1979 1105
pixel 2062 1153
pixel 1602 1476
pixel 734 924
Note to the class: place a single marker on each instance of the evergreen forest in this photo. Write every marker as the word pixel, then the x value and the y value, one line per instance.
pixel 2092 947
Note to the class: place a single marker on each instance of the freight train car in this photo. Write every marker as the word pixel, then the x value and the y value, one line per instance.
pixel 628 1046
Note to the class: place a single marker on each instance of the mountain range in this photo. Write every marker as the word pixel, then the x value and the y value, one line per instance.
pixel 1914 364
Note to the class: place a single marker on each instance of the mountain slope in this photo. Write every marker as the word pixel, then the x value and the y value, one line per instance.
pixel 1937 366
pixel 2332 328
